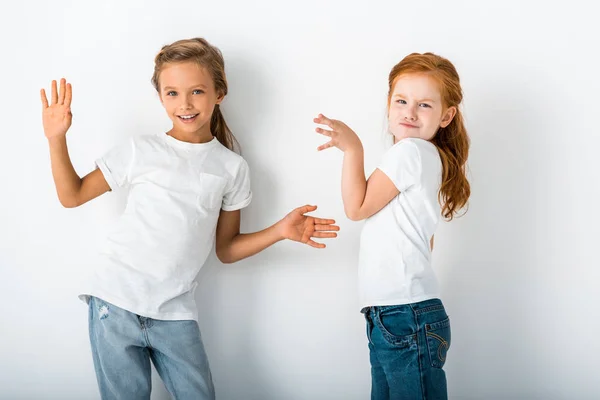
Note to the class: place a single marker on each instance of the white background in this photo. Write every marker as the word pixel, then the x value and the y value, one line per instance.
pixel 519 272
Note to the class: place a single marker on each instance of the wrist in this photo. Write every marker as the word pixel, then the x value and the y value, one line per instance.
pixel 57 140
pixel 355 150
pixel 278 231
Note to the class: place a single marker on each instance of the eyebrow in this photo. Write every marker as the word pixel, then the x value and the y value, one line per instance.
pixel 429 100
pixel 193 86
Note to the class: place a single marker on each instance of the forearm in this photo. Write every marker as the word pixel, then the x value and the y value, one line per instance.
pixel 66 180
pixel 354 183
pixel 244 245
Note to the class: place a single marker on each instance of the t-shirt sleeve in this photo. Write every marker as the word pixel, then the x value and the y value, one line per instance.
pixel 116 165
pixel 238 195
pixel 402 164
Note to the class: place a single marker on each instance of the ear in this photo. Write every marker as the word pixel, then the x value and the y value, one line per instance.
pixel 220 98
pixel 448 117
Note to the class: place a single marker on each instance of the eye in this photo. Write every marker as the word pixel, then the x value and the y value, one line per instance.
pixel 171 93
pixel 198 91
pixel 400 101
pixel 424 105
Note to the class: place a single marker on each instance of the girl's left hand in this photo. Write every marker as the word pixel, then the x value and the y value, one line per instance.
pixel 341 135
pixel 302 228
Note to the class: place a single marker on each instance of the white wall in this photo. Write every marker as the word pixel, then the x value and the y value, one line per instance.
pixel 519 271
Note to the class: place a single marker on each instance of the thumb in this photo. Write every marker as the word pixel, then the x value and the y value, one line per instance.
pixel 306 209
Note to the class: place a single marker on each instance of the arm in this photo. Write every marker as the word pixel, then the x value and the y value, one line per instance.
pixel 354 184
pixel 361 198
pixel 72 190
pixel 232 246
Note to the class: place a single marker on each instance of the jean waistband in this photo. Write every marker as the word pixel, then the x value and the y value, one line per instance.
pixel 420 307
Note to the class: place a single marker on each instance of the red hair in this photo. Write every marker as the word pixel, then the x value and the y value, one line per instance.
pixel 452 141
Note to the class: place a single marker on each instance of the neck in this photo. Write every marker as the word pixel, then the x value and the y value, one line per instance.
pixel 202 135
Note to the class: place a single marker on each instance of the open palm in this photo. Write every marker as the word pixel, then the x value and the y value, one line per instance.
pixel 57 116
pixel 302 228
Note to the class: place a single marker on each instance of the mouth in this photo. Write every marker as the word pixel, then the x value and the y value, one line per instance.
pixel 408 125
pixel 187 119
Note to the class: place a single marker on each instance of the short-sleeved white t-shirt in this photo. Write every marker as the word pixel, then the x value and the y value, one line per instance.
pixel 395 255
pixel 158 245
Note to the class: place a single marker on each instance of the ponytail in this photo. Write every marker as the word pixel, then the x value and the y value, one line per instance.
pixel 221 131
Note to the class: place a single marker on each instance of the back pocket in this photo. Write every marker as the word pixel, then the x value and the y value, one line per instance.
pixel 438 342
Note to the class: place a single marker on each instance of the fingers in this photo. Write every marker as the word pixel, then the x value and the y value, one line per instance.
pixel 324 132
pixel 321 119
pixel 326 145
pixel 314 244
pixel 326 226
pixel 324 234
pixel 62 96
pixel 44 99
pixel 68 95
pixel 61 92
pixel 54 94
pixel 324 221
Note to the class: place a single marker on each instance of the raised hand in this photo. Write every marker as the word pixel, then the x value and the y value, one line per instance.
pixel 57 116
pixel 302 228
pixel 340 134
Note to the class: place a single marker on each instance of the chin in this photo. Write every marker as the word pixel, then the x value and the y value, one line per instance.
pixel 399 136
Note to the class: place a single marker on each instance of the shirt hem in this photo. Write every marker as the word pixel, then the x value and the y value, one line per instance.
pixel 125 305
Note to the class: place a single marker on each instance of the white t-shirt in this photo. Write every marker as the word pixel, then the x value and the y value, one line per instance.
pixel 157 247
pixel 395 255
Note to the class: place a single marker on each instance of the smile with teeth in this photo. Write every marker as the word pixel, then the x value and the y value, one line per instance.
pixel 187 118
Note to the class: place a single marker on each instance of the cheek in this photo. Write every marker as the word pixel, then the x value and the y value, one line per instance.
pixel 393 114
pixel 431 129
pixel 431 118
pixel 170 106
pixel 203 102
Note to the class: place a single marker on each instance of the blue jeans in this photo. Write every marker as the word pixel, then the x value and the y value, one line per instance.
pixel 123 344
pixel 407 346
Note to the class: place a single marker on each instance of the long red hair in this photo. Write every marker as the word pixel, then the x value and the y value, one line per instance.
pixel 452 141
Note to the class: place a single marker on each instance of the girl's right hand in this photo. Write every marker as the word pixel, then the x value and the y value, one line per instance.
pixel 57 116
pixel 341 136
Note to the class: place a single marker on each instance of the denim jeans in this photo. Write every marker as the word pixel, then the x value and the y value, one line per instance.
pixel 123 343
pixel 407 346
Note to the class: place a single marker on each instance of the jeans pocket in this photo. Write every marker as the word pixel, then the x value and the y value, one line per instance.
pixel 397 328
pixel 438 342
pixel 369 326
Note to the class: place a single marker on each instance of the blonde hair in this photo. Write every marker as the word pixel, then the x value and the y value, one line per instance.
pixel 198 50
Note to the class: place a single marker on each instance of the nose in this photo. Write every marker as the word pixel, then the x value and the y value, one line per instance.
pixel 185 104
pixel 411 114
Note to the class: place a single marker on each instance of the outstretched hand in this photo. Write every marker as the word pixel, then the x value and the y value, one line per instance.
pixel 302 228
pixel 57 116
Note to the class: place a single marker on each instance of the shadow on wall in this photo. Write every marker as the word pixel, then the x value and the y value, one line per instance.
pixel 489 272
pixel 245 109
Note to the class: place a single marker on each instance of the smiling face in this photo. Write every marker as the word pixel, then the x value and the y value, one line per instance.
pixel 187 92
pixel 416 108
